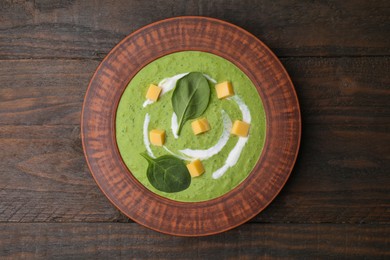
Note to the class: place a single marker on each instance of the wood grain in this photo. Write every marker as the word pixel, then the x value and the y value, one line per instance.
pixel 43 177
pixel 341 175
pixel 43 92
pixel 89 29
pixel 252 241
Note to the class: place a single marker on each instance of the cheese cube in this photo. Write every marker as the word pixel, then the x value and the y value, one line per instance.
pixel 240 128
pixel 153 92
pixel 195 168
pixel 224 89
pixel 157 137
pixel 200 126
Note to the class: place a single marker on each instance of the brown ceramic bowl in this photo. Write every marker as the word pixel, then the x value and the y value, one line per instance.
pixel 282 135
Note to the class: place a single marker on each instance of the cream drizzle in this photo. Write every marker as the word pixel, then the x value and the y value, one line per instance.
pixel 178 156
pixel 168 84
pixel 235 153
pixel 147 142
pixel 174 125
pixel 146 137
pixel 246 114
pixel 207 153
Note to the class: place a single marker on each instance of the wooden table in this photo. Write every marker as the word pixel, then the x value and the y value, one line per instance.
pixel 336 203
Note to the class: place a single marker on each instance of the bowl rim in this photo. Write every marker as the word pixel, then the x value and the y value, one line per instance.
pixel 236 189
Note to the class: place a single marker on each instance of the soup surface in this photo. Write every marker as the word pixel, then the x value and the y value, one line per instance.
pixel 227 159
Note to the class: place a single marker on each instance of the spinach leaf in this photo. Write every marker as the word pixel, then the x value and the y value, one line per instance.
pixel 190 97
pixel 167 173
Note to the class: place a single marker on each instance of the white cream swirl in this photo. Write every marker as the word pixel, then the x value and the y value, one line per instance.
pixel 207 153
pixel 168 84
pixel 146 137
pixel 235 153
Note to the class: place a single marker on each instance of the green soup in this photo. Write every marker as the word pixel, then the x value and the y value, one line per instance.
pixel 131 115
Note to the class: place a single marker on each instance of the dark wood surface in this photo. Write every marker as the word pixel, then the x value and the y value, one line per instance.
pixel 337 200
pixel 251 241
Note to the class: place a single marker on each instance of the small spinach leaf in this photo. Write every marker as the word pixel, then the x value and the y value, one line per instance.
pixel 190 97
pixel 167 173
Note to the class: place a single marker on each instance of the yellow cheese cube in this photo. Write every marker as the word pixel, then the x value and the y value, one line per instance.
pixel 195 168
pixel 200 126
pixel 240 128
pixel 153 92
pixel 157 137
pixel 224 89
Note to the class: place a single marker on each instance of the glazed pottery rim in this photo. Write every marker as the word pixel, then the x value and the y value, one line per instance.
pixel 246 71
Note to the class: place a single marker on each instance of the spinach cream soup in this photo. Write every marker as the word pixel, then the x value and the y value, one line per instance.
pixel 227 158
